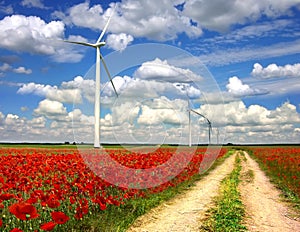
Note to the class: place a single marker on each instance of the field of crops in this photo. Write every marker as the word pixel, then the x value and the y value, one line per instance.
pixel 53 189
pixel 282 164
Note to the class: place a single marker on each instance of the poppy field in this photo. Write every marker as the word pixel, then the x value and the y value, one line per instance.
pixel 51 189
pixel 282 164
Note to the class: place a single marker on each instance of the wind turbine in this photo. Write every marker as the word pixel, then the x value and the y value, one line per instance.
pixel 208 122
pixel 99 58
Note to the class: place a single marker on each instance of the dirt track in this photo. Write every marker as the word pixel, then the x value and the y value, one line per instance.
pixel 265 211
pixel 184 212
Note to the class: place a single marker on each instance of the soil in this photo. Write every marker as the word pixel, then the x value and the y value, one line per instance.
pixel 265 210
pixel 184 212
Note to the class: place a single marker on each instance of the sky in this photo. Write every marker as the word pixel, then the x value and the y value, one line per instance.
pixel 235 62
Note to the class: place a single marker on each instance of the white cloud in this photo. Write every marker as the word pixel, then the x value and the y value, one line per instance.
pixel 51 109
pixel 66 95
pixel 220 15
pixel 37 89
pixel 273 70
pixel 237 88
pixel 22 70
pixel 33 3
pixel 227 56
pixel 188 90
pixel 29 34
pixel 118 42
pixel 134 17
pixel 33 35
pixel 154 121
pixel 5 67
pixel 161 70
pixel 85 86
pixel 238 114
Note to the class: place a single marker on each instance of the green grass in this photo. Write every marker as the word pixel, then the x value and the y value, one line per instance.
pixel 228 212
pixel 120 218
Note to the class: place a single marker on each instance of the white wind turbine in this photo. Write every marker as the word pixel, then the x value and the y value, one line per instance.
pixel 99 58
pixel 190 128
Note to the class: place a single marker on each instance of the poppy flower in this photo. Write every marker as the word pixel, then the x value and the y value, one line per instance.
pixel 24 211
pixel 48 226
pixel 53 202
pixel 16 230
pixel 6 196
pixel 59 217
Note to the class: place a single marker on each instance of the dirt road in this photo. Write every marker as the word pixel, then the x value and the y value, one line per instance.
pixel 265 211
pixel 184 212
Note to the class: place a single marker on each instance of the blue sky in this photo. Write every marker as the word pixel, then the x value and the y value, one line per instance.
pixel 236 62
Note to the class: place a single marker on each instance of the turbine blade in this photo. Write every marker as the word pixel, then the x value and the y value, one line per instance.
pixel 81 43
pixel 106 25
pixel 198 113
pixel 106 69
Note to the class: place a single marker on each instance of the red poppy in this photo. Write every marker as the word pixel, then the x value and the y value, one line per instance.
pixel 72 199
pixel 6 196
pixel 23 211
pixel 48 226
pixel 16 230
pixel 53 202
pixel 59 217
pixel 1 223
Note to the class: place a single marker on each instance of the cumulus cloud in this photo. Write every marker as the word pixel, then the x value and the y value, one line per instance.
pixel 133 17
pixel 118 42
pixel 33 35
pixel 51 109
pixel 153 121
pixel 220 15
pixel 21 33
pixel 237 88
pixel 85 86
pixel 161 70
pixel 22 70
pixel 37 89
pixel 188 90
pixel 52 93
pixel 273 70
pixel 238 114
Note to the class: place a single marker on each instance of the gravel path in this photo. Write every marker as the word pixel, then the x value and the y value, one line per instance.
pixel 184 212
pixel 264 209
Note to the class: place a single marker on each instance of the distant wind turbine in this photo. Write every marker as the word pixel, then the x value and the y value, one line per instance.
pixel 190 130
pixel 99 58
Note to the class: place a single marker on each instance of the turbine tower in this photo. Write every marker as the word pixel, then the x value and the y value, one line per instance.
pixel 99 58
pixel 208 122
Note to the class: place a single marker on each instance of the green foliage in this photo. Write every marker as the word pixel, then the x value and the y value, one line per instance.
pixel 227 215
